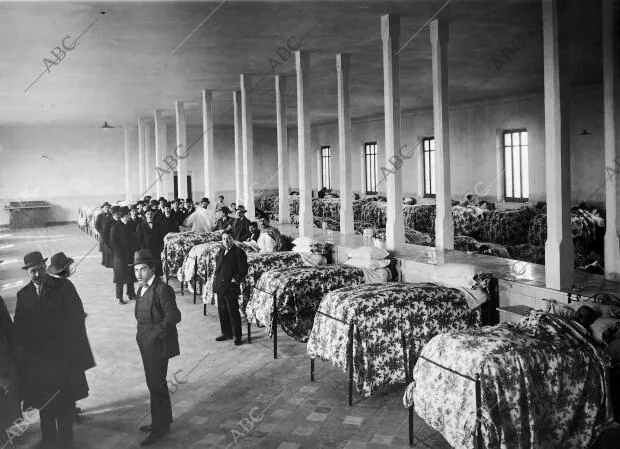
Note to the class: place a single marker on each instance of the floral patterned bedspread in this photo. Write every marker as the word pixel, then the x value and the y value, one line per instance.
pixel 507 227
pixel 384 314
pixel 582 223
pixel 177 246
pixel 259 263
pixel 467 221
pixel 543 385
pixel 298 292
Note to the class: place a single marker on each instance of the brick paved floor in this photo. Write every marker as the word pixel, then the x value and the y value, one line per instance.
pixel 223 396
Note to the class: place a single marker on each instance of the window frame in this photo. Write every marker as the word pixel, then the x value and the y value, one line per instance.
pixel 430 171
pixel 326 159
pixel 506 168
pixel 372 182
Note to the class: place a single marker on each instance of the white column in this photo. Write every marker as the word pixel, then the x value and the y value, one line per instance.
pixel 159 151
pixel 181 151
pixel 127 163
pixel 248 145
pixel 149 166
pixel 166 150
pixel 302 63
pixel 444 224
pixel 559 255
pixel 395 227
pixel 238 149
pixel 344 144
pixel 141 156
pixel 611 111
pixel 207 138
pixel 283 157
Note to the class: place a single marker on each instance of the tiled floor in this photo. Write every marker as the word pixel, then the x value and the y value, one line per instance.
pixel 224 396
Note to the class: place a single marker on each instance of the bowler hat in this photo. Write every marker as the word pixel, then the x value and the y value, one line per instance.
pixel 33 258
pixel 115 209
pixel 205 200
pixel 124 210
pixel 241 208
pixel 161 198
pixel 144 256
pixel 105 204
pixel 58 263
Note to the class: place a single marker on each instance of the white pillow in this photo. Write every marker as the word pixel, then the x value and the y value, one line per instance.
pixel 304 241
pixel 368 263
pixel 368 252
pixel 301 249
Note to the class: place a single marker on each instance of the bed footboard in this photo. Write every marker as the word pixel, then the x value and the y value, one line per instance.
pixel 477 443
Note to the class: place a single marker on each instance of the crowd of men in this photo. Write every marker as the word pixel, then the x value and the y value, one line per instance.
pixel 124 230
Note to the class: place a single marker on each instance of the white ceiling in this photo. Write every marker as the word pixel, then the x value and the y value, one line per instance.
pixel 145 55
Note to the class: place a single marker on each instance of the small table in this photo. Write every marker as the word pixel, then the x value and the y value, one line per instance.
pixel 515 312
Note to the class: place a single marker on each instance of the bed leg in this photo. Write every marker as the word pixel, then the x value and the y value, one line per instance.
pixel 204 309
pixel 411 426
pixel 478 437
pixel 249 332
pixel 195 278
pixel 311 370
pixel 350 357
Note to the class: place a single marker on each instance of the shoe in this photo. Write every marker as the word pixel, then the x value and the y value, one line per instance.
pixel 223 338
pixel 146 428
pixel 152 438
pixel 120 301
pixel 238 341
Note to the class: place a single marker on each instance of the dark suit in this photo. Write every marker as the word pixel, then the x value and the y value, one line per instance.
pixel 241 229
pixel 152 240
pixel 166 225
pixel 228 267
pixel 157 315
pixel 52 352
pixel 100 224
pixel 109 256
pixel 122 248
pixel 222 223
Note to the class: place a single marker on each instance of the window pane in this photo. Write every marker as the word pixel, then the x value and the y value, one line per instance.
pixel 516 158
pixel 507 139
pixel 515 139
pixel 524 138
pixel 508 171
pixel 427 176
pixel 526 174
pixel 432 144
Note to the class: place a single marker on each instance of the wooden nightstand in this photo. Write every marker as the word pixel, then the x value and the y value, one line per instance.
pixel 512 314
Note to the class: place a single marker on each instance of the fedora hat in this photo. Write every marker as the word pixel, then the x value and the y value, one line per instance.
pixel 33 258
pixel 143 256
pixel 58 263
pixel 241 207
pixel 105 204
pixel 124 210
pixel 115 209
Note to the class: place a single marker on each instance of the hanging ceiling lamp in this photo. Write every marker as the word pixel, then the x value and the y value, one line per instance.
pixel 105 127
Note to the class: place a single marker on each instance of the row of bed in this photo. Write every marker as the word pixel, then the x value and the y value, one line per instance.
pixel 517 233
pixel 538 383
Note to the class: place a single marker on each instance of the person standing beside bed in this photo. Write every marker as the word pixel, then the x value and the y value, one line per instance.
pixel 231 267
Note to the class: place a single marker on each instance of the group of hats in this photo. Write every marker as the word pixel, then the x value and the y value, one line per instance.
pixel 60 262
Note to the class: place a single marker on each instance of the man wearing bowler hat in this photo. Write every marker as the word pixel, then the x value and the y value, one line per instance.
pixel 231 267
pixel 241 226
pixel 157 315
pixel 51 349
pixel 100 222
pixel 122 246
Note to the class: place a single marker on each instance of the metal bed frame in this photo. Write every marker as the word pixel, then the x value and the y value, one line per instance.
pixel 350 367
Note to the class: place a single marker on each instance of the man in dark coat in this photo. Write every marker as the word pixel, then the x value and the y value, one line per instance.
pixel 168 223
pixel 223 221
pixel 241 226
pixel 157 315
pixel 51 349
pixel 114 210
pixel 122 248
pixel 149 237
pixel 100 222
pixel 231 267
pixel 10 408
pixel 176 212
